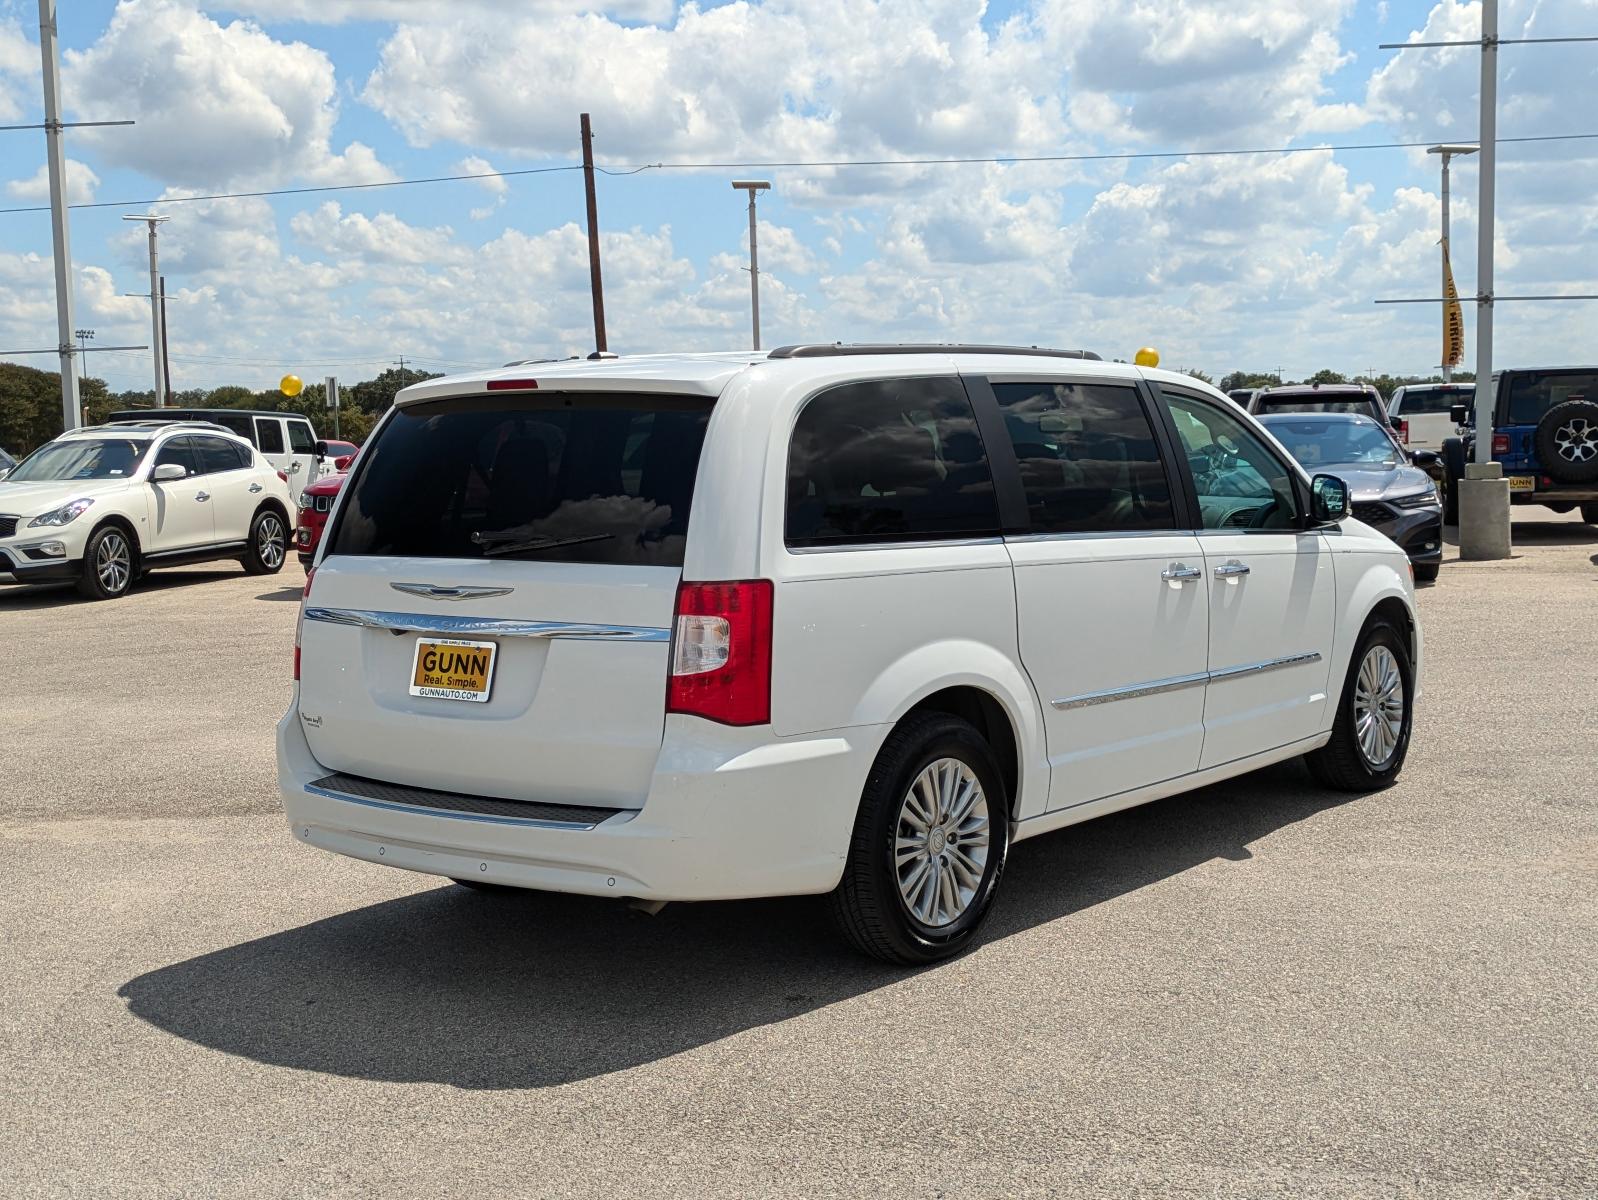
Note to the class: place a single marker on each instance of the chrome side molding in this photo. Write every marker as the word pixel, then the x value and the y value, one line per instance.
pixel 453 626
pixel 1178 682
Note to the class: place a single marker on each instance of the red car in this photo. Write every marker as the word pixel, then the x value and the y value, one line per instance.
pixel 316 501
pixel 342 454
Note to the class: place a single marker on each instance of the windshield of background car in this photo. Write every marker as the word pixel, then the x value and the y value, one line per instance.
pixel 1533 393
pixel 81 458
pixel 1422 401
pixel 1315 443
pixel 581 477
pixel 1353 405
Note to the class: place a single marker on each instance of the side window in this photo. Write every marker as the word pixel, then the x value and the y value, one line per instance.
pixel 1089 462
pixel 889 460
pixel 217 455
pixel 269 435
pixel 179 450
pixel 1240 483
pixel 301 439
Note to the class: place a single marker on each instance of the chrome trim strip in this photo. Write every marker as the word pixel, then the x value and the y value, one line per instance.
pixel 417 810
pixel 1177 682
pixel 1259 668
pixel 453 626
pixel 1135 691
pixel 434 591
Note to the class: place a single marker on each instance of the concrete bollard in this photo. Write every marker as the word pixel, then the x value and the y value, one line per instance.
pixel 1483 512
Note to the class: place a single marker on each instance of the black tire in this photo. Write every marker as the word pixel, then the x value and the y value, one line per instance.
pixel 1589 512
pixel 493 889
pixel 1453 472
pixel 1567 442
pixel 268 547
pixel 110 564
pixel 1343 763
pixel 1427 572
pixel 867 904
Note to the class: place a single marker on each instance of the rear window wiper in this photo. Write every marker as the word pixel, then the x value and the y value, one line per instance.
pixel 494 544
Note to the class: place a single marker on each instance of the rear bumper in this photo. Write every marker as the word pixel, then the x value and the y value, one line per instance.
pixel 730 814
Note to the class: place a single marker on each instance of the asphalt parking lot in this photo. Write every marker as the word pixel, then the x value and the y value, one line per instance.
pixel 1257 989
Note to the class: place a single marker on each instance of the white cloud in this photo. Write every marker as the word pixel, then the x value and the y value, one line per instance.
pixel 380 239
pixel 491 183
pixel 81 182
pixel 19 67
pixel 337 12
pixel 215 104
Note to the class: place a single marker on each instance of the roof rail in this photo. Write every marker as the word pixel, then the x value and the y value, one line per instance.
pixel 840 349
pixel 154 422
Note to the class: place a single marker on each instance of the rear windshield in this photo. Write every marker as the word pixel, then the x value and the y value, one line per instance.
pixel 1533 393
pixel 1352 405
pixel 1422 401
pixel 590 478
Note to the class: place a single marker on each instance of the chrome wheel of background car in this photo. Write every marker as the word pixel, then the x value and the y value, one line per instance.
pixel 1577 440
pixel 1379 706
pixel 940 846
pixel 270 541
pixel 113 562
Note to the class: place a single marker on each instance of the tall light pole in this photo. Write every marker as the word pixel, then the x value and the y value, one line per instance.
pixel 152 220
pixel 754 187
pixel 50 52
pixel 1488 131
pixel 1447 151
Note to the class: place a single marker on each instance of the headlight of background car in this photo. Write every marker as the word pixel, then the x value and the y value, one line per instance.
pixel 65 515
pixel 1427 499
pixel 305 500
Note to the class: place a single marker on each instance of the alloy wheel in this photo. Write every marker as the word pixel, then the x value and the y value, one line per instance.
pixel 1577 440
pixel 270 542
pixel 1379 706
pixel 113 563
pixel 941 842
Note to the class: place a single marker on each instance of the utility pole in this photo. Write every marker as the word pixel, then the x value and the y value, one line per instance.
pixel 595 280
pixel 1447 151
pixel 156 337
pixel 166 362
pixel 754 187
pixel 1484 235
pixel 50 52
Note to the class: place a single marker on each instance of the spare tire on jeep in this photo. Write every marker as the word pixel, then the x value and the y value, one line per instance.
pixel 1567 442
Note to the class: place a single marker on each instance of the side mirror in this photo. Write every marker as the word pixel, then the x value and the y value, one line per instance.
pixel 1424 458
pixel 1459 413
pixel 319 450
pixel 1329 502
pixel 343 461
pixel 168 472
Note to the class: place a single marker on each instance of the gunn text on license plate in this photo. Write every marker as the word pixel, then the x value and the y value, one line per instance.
pixel 1522 483
pixel 450 669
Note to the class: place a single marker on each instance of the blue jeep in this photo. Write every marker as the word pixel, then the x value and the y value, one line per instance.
pixel 1545 433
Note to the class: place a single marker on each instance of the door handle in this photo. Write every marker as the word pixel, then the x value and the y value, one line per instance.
pixel 255 487
pixel 202 495
pixel 1179 573
pixel 1231 570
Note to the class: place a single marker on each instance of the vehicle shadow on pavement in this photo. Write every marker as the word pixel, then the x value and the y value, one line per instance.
pixel 65 595
pixel 491 991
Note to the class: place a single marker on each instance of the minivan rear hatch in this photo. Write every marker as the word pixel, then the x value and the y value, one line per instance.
pixel 492 614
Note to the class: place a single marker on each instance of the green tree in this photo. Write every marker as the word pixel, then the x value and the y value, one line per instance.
pixel 1195 373
pixel 376 396
pixel 1247 379
pixel 1327 375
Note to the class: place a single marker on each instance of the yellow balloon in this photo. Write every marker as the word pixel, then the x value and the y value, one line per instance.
pixel 1148 356
pixel 293 385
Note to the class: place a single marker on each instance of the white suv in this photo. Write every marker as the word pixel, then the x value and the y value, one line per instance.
pixel 101 506
pixel 929 601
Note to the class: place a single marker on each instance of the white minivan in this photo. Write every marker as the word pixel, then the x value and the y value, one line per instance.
pixel 829 619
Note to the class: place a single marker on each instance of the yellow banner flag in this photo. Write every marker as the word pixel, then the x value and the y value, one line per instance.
pixel 1453 318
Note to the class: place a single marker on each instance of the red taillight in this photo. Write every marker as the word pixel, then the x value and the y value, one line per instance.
pixel 1500 444
pixel 513 385
pixel 299 624
pixel 283 476
pixel 721 652
pixel 1402 425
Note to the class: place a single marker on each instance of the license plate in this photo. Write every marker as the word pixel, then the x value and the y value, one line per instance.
pixel 451 669
pixel 1523 483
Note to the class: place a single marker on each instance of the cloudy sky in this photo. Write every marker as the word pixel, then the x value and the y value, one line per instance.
pixel 1221 262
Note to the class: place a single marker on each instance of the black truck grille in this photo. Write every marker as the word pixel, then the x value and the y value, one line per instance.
pixel 8 526
pixel 1373 514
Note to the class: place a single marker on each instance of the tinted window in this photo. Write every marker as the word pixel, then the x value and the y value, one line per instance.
pixel 1316 444
pixel 178 450
pixel 301 439
pixel 1421 401
pixel 269 435
pixel 1240 483
pixel 594 479
pixel 893 459
pixel 240 425
pixel 1353 405
pixel 218 454
pixel 81 458
pixel 1533 393
pixel 1087 455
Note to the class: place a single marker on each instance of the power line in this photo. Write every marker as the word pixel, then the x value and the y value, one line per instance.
pixel 636 169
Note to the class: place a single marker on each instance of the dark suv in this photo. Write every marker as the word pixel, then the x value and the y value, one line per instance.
pixel 1545 433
